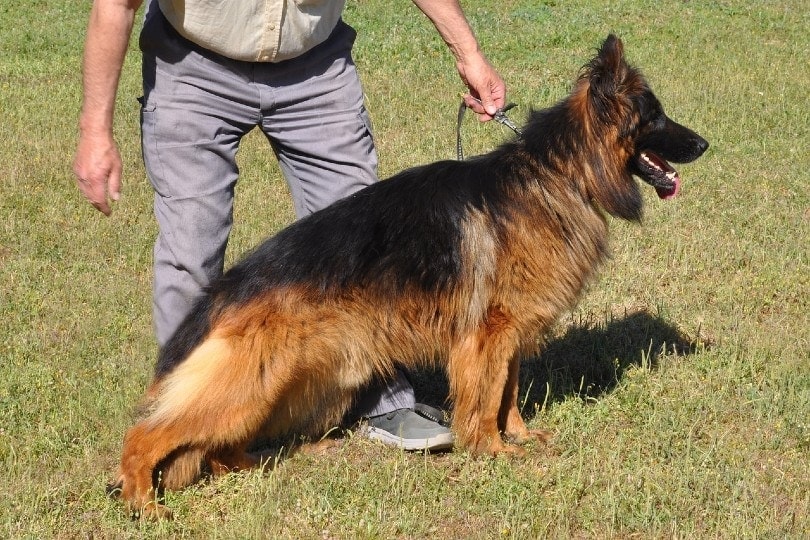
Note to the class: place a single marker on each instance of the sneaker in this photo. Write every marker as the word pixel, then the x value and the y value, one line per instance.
pixel 409 430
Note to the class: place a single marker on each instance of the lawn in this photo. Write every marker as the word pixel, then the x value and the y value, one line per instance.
pixel 678 390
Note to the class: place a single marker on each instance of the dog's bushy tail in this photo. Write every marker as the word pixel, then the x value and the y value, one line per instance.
pixel 191 333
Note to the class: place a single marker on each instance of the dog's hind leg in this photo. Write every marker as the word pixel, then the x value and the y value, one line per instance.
pixel 231 460
pixel 510 420
pixel 145 447
pixel 208 406
pixel 142 453
pixel 181 468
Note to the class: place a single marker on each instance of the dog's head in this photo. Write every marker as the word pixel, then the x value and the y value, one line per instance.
pixel 630 114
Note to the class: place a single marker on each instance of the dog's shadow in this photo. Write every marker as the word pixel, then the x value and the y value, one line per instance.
pixel 587 359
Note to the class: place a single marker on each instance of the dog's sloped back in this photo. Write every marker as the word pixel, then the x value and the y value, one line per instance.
pixel 401 234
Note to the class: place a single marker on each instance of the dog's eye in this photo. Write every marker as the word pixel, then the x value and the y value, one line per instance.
pixel 652 113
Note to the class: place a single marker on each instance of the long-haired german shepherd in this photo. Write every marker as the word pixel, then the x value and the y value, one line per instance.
pixel 458 263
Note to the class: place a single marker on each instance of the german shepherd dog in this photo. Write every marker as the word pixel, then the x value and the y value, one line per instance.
pixel 463 264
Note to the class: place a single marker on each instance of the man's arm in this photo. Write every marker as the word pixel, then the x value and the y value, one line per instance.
pixel 97 163
pixel 475 70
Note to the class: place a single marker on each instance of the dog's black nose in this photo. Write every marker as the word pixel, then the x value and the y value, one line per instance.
pixel 702 145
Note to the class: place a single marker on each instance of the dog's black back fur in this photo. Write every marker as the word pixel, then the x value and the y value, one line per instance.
pixel 407 229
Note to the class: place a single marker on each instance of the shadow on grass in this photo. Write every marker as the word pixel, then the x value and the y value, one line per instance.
pixel 587 360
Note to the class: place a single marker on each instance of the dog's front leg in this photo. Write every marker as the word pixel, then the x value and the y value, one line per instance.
pixel 478 370
pixel 510 420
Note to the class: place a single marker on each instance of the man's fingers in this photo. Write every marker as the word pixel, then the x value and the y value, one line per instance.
pixel 98 173
pixel 488 104
pixel 96 194
pixel 98 198
pixel 102 207
pixel 114 183
pixel 478 108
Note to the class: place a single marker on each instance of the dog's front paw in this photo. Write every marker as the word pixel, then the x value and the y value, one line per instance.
pixel 529 435
pixel 494 446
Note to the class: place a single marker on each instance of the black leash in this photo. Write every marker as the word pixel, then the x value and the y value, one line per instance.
pixel 500 117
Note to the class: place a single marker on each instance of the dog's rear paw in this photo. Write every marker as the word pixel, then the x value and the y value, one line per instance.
pixel 151 511
pixel 496 446
pixel 522 435
pixel 320 448
pixel 141 504
pixel 114 489
pixel 511 450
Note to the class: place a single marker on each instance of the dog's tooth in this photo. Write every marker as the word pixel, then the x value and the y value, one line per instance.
pixel 649 161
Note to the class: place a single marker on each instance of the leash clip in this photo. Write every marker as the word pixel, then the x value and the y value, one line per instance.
pixel 500 117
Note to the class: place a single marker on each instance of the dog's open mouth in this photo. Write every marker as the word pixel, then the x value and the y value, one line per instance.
pixel 655 170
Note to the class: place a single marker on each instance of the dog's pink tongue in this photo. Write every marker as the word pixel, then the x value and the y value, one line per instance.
pixel 671 192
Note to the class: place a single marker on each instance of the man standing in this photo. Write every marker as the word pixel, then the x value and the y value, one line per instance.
pixel 212 72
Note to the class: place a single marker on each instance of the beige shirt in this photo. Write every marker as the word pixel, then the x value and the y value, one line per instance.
pixel 254 30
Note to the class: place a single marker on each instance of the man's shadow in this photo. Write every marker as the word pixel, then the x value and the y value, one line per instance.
pixel 587 360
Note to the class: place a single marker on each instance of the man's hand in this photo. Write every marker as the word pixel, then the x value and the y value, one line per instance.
pixel 487 89
pixel 97 166
pixel 475 70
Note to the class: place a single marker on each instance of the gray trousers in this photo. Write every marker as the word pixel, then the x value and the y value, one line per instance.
pixel 196 108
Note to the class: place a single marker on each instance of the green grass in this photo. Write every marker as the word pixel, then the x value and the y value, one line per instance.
pixel 679 390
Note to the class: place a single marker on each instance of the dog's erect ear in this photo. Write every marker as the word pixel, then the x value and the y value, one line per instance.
pixel 608 69
pixel 612 53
